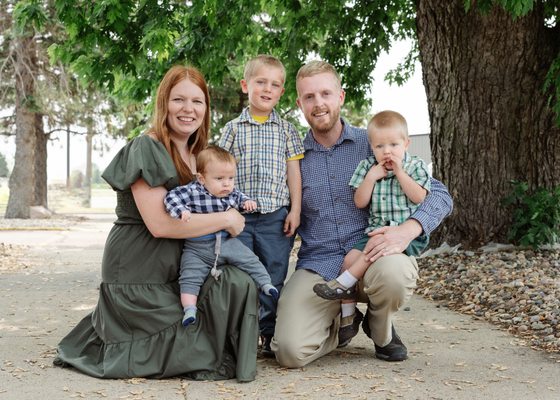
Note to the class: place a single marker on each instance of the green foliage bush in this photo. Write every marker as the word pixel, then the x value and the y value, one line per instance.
pixel 536 216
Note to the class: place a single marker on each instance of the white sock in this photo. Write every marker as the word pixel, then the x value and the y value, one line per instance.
pixel 347 280
pixel 347 309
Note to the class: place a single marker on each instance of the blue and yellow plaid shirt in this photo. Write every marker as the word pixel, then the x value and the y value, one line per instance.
pixel 262 151
pixel 389 205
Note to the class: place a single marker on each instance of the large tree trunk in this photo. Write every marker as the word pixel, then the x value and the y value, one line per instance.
pixel 22 179
pixel 484 78
pixel 40 163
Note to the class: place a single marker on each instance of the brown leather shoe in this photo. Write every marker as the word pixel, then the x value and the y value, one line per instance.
pixel 266 351
pixel 348 331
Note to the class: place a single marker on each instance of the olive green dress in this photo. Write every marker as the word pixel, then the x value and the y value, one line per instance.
pixel 135 330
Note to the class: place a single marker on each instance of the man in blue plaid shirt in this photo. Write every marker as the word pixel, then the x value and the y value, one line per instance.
pixel 213 191
pixel 307 325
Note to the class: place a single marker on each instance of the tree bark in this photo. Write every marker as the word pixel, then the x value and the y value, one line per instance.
pixel 22 179
pixel 87 180
pixel 40 163
pixel 484 76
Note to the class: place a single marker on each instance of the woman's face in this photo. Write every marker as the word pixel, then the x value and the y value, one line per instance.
pixel 186 110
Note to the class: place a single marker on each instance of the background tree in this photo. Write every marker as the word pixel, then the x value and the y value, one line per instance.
pixel 19 53
pixel 44 99
pixel 491 110
pixel 491 69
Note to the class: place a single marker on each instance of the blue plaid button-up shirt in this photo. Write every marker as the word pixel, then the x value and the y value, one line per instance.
pixel 330 222
pixel 195 198
pixel 261 151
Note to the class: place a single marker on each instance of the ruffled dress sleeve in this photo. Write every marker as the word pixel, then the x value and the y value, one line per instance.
pixel 143 157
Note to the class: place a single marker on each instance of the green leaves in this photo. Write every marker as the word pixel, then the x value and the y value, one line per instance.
pixel 29 15
pixel 536 215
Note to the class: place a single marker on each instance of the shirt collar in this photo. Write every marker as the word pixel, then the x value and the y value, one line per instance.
pixel 348 133
pixel 246 117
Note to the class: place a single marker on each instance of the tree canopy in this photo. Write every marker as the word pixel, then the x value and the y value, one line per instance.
pixel 482 89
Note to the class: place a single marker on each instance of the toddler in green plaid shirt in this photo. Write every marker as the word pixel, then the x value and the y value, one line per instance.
pixel 392 183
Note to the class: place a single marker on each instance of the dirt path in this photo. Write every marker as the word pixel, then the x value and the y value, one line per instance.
pixel 53 284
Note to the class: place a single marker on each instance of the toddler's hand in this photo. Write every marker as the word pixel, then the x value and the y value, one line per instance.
pixel 378 171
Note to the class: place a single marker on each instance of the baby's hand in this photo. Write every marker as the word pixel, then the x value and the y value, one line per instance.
pixel 186 216
pixel 250 205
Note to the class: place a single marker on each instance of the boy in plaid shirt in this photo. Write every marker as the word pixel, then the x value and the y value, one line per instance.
pixel 213 191
pixel 393 183
pixel 268 150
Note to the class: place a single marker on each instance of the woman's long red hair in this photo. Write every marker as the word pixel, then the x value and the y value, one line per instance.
pixel 199 139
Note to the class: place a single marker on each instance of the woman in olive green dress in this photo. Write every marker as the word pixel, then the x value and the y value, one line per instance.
pixel 135 329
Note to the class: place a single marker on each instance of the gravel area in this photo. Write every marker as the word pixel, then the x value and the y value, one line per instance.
pixel 516 289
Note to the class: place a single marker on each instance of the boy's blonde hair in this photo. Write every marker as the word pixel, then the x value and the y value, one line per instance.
pixel 263 59
pixel 212 154
pixel 316 67
pixel 387 119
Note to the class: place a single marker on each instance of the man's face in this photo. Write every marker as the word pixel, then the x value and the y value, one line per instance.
pixel 320 98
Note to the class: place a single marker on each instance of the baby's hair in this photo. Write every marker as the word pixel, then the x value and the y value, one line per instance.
pixel 210 154
pixel 387 119
pixel 262 59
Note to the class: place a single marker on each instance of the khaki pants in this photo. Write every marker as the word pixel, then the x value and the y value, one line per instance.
pixel 307 325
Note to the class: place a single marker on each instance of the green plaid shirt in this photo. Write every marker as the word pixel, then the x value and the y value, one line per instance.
pixel 389 205
pixel 261 151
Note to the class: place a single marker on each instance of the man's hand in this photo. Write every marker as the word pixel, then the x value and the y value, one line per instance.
pixel 391 239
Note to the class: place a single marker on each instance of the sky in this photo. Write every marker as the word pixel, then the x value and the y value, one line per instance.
pixel 409 100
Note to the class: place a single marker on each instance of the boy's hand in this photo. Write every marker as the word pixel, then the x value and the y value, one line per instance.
pixel 396 163
pixel 378 171
pixel 186 216
pixel 291 223
pixel 250 205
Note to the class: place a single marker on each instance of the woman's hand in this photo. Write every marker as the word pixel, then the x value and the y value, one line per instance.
pixel 235 222
pixel 391 239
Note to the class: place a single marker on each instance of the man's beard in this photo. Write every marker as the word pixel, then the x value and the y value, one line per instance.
pixel 326 127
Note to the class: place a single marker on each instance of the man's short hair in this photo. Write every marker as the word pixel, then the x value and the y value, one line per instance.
pixel 316 67
pixel 263 60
